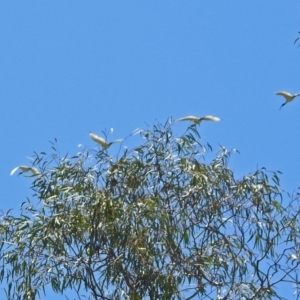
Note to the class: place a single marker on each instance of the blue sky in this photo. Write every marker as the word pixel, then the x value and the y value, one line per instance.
pixel 71 67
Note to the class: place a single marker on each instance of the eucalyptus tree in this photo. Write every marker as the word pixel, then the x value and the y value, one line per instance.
pixel 157 221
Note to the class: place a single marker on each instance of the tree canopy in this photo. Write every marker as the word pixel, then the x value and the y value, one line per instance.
pixel 157 221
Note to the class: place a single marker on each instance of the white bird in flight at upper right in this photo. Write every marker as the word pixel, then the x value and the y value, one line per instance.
pixel 288 97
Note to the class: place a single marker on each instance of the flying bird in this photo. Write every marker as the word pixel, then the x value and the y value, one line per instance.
pixel 288 97
pixel 25 169
pixel 102 141
pixel 198 120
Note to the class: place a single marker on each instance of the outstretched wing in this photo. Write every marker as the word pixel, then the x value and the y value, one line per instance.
pixel 117 141
pixel 102 142
pixel 211 118
pixel 189 118
pixel 99 140
pixel 284 94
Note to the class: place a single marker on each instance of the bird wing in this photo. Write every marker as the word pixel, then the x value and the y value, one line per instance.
pixel 25 169
pixel 14 170
pixel 211 118
pixel 189 118
pixel 99 140
pixel 117 141
pixel 284 94
pixel 34 171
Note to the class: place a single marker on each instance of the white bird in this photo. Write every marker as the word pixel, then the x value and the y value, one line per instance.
pixel 198 120
pixel 288 97
pixel 102 141
pixel 25 169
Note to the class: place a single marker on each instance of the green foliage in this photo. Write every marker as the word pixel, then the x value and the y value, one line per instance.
pixel 155 222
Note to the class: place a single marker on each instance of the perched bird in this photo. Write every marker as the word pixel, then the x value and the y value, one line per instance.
pixel 288 97
pixel 102 142
pixel 198 120
pixel 25 169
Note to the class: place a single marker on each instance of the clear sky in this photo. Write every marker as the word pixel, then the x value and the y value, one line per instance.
pixel 71 67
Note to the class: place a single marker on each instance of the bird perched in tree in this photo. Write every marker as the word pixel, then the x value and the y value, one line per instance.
pixel 288 97
pixel 198 120
pixel 102 141
pixel 25 169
